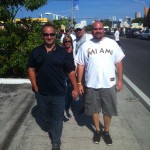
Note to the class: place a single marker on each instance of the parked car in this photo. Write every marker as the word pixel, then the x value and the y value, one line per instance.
pixel 132 33
pixel 107 31
pixel 145 34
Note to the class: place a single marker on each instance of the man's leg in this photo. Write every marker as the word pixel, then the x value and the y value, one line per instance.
pixel 50 115
pixel 109 109
pixel 107 120
pixel 96 121
pixel 93 108
pixel 56 114
pixel 98 133
pixel 69 99
pixel 106 135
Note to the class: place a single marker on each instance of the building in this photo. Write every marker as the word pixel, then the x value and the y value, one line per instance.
pixel 137 25
pixel 84 22
pixel 137 15
pixel 42 20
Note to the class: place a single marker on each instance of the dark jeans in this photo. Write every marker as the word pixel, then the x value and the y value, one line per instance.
pixel 50 113
pixel 68 98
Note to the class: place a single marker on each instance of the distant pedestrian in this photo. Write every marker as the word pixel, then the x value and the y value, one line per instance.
pixel 47 68
pixel 117 36
pixel 101 59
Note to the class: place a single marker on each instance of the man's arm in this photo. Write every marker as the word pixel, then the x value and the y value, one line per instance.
pixel 32 77
pixel 119 84
pixel 73 80
pixel 80 71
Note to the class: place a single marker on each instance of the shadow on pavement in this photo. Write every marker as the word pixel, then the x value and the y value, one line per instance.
pixel 81 118
pixel 34 113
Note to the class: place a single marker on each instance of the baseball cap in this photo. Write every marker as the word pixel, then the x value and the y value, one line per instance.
pixel 78 26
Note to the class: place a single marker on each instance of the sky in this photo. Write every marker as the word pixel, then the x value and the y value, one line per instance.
pixel 89 9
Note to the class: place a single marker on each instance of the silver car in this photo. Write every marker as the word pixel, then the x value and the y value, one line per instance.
pixel 145 34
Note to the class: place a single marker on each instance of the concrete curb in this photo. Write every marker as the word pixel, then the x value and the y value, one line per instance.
pixel 14 81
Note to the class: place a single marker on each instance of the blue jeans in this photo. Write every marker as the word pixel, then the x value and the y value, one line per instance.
pixel 68 99
pixel 50 114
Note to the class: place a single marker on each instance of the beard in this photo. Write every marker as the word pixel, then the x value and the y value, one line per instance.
pixel 98 36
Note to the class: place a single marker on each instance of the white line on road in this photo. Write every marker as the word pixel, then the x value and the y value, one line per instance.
pixel 145 99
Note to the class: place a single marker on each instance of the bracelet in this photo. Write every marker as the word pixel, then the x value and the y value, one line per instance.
pixel 80 83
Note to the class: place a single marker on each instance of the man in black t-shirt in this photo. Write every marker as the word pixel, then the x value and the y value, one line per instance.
pixel 47 68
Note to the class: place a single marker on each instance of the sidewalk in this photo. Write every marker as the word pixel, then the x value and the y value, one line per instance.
pixel 129 131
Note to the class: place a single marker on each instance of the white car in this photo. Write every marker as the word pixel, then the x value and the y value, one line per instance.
pixel 145 34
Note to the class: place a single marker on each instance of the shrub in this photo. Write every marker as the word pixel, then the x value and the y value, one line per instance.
pixel 17 41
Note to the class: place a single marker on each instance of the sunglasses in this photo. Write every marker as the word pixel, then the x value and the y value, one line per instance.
pixel 47 34
pixel 67 42
pixel 78 30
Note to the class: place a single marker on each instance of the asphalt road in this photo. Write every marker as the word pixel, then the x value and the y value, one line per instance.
pixel 137 62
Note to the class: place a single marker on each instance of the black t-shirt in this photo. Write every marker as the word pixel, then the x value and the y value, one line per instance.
pixel 51 69
pixel 72 59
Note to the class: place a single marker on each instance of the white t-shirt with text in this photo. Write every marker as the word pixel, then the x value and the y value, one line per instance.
pixel 99 59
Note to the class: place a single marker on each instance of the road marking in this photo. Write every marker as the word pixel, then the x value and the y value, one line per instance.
pixel 143 98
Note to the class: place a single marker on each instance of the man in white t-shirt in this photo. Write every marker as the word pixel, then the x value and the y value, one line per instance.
pixel 101 58
pixel 81 37
pixel 117 34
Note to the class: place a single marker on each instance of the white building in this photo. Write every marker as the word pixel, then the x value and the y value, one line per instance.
pixel 84 22
pixel 137 15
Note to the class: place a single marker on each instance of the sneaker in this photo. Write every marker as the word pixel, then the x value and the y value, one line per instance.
pixel 96 137
pixel 107 138
pixel 55 146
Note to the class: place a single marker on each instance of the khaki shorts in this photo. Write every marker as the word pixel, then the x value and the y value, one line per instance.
pixel 103 99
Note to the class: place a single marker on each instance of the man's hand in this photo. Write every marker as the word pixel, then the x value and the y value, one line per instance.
pixel 119 85
pixel 81 89
pixel 32 76
pixel 75 94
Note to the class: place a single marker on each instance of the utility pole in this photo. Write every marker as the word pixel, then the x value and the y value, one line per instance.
pixel 72 13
